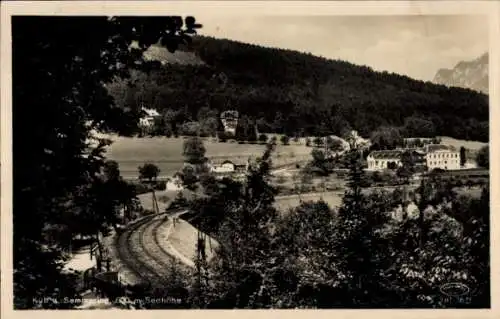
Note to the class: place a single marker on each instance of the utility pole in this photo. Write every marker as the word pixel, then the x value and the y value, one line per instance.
pixel 405 202
pixel 156 209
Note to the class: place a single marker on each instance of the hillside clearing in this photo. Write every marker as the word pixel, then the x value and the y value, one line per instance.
pixel 470 145
pixel 166 153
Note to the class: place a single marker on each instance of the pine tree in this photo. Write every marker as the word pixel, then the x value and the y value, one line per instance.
pixel 357 244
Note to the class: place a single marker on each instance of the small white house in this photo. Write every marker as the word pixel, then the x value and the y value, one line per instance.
pixel 227 166
pixel 148 120
pixel 222 167
pixel 442 157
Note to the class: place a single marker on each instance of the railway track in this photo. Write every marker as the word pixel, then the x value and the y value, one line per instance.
pixel 141 252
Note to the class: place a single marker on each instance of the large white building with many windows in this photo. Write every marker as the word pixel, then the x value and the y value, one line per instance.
pixel 442 157
pixel 433 156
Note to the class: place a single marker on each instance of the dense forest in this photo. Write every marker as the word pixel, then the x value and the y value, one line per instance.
pixel 294 93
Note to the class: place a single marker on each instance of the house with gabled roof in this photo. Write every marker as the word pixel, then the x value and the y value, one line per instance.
pixel 380 160
pixel 225 166
pixel 148 117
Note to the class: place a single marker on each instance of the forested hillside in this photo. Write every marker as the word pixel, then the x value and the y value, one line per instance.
pixel 294 93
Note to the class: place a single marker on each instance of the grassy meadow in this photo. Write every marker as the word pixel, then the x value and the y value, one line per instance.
pixel 470 145
pixel 166 153
pixel 333 199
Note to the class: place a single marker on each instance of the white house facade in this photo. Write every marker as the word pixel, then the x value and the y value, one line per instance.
pixel 229 120
pixel 148 120
pixel 224 167
pixel 442 157
pixel 379 160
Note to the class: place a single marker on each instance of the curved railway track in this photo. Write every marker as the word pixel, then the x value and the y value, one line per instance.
pixel 140 250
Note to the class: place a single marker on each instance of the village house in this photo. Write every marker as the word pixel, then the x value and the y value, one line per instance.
pixel 229 120
pixel 224 166
pixel 148 120
pixel 442 157
pixel 380 160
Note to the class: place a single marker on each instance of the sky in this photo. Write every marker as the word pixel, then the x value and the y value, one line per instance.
pixel 416 46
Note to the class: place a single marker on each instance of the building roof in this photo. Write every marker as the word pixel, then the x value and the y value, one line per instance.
pixel 150 112
pixel 221 161
pixel 391 154
pixel 417 138
pixel 439 147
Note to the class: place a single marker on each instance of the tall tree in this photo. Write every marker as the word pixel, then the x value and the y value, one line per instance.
pixel 357 243
pixel 111 171
pixel 194 151
pixel 408 167
pixel 463 156
pixel 59 67
pixel 149 171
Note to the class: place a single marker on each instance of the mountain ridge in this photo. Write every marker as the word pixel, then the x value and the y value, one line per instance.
pixel 472 74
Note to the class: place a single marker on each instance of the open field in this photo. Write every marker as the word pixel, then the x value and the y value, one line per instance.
pixel 166 153
pixel 470 145
pixel 333 199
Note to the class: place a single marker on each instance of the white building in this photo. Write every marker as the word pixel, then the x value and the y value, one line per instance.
pixel 442 157
pixel 229 120
pixel 148 120
pixel 224 167
pixel 356 141
pixel 379 160
pixel 227 166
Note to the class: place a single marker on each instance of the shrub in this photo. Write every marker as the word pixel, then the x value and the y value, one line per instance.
pixel 160 186
pixel 285 140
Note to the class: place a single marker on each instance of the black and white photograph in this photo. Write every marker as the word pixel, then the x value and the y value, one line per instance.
pixel 206 156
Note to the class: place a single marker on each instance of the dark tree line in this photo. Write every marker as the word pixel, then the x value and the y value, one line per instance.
pixel 293 93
